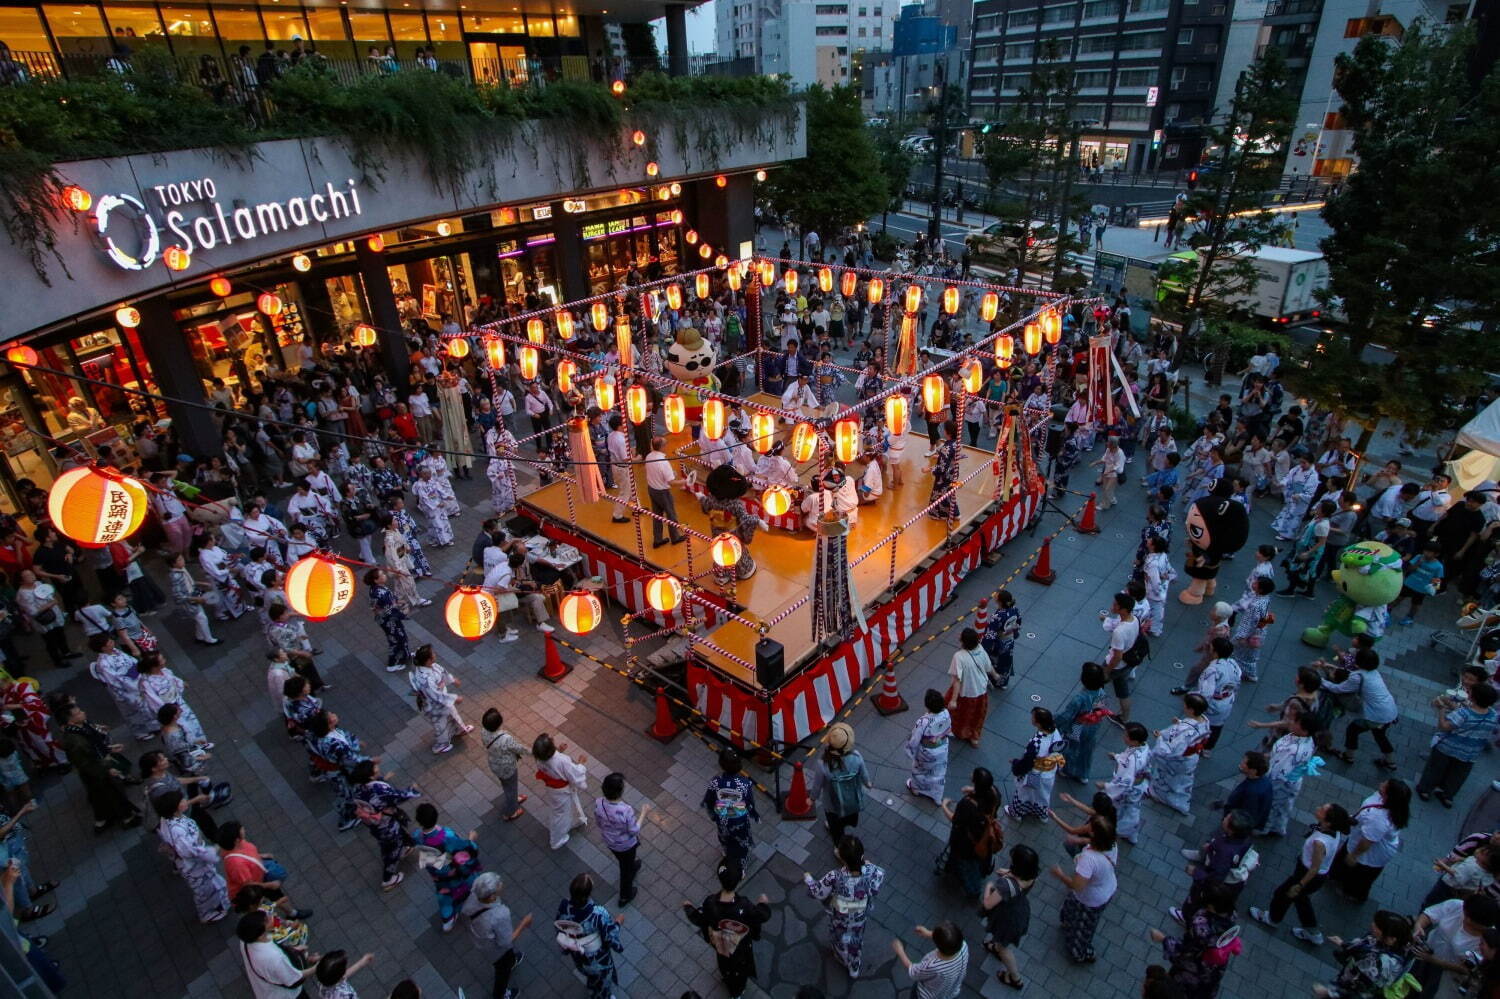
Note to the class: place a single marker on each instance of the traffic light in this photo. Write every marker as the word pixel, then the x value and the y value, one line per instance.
pixel 1192 180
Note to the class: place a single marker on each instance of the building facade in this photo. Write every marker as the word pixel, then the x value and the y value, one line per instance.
pixel 1146 71
pixel 808 40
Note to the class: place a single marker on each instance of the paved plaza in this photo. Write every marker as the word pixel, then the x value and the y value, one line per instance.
pixel 125 927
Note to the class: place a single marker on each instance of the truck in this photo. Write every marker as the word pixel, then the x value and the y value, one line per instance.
pixel 1285 292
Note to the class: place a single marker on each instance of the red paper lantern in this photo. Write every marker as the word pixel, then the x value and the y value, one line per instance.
pixel 934 393
pixel 529 361
pixel 580 612
pixel 726 551
pixel 674 296
pixel 848 283
pixel 875 291
pixel 566 372
pixel 494 349
pixel 624 345
pixel 897 415
pixel 767 273
pixel 22 355
pixel 721 180
pixel 913 297
pixel 128 317
pixel 220 286
pixel 776 500
pixel 638 137
pixel 701 285
pixel 790 281
pixel 674 412
pixel 376 243
pixel 1032 339
pixel 637 404
pixel 471 612
pixel 715 418
pixel 599 312
pixel 846 440
pixel 951 298
pixel 458 348
pixel 763 432
pixel 96 506
pixel 604 392
pixel 318 587
pixel 176 258
pixel 804 442
pixel 564 321
pixel 536 331
pixel 825 279
pixel 1005 349
pixel 76 198
pixel 269 303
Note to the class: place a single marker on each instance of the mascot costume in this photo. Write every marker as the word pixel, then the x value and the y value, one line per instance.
pixel 724 503
pixel 1216 526
pixel 1368 579
pixel 690 359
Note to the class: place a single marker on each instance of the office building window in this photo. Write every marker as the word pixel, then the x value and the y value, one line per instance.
pixel 1092 78
pixel 1130 112
pixel 1179 76
pixel 835 29
pixel 1022 19
pixel 833 9
pixel 877 31
pixel 1059 15
pixel 982 25
pixel 1135 78
pixel 1185 36
pixel 1101 8
pixel 1148 6
pixel 1139 40
pixel 983 53
pixel 1016 81
pixel 861 32
pixel 1019 50
pixel 1096 43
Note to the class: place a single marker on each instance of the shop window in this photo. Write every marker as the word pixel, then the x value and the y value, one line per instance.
pixel 410 34
pixel 495 24
pixel 285 26
pixel 25 452
pixel 134 22
pixel 328 32
pixel 79 30
pixel 539 26
pixel 22 30
pixel 240 26
pixel 445 36
pixel 369 29
pixel 191 31
pixel 567 26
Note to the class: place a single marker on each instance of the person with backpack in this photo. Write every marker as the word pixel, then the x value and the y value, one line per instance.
pixel 968 696
pixel 1225 861
pixel 587 934
pixel 731 924
pixel 842 774
pixel 974 834
pixel 1006 910
pixel 1200 957
pixel 848 890
pixel 730 802
pixel 1128 648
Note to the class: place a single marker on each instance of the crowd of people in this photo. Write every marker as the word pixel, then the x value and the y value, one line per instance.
pixel 336 455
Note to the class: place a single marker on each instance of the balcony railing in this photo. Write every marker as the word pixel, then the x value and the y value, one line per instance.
pixel 1278 8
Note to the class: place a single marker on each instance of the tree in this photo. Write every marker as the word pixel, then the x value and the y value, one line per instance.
pixel 640 48
pixel 1231 195
pixel 839 182
pixel 1003 159
pixel 1412 256
pixel 895 165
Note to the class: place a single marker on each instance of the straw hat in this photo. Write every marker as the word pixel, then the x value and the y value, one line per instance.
pixel 840 737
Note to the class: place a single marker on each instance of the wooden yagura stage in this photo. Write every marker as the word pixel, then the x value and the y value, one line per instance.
pixel 818 680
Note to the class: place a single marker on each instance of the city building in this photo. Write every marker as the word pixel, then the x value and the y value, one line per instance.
pixel 926 51
pixel 809 41
pixel 178 268
pixel 1147 72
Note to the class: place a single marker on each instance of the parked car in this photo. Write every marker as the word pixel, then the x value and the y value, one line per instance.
pixel 1002 242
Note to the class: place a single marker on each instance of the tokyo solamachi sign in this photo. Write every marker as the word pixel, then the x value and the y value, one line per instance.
pixel 189 214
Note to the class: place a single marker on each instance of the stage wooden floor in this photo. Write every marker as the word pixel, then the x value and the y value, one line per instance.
pixel 785 559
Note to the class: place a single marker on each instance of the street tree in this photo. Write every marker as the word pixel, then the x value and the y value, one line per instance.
pixel 839 182
pixel 1414 252
pixel 896 164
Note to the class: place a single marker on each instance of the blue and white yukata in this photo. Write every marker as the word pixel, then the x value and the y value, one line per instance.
pixel 454 875
pixel 597 968
pixel 404 522
pixel 826 380
pixel 1126 788
pixel 167 687
pixel 1174 762
pixel 378 806
pixel 392 620
pixel 849 899
pixel 1298 487
pixel 999 640
pixel 1289 757
pixel 438 706
pixel 730 800
pixel 117 671
pixel 928 748
pixel 343 751
pixel 198 863
pixel 1034 788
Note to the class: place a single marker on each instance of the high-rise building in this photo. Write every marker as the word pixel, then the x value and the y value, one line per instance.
pixel 810 41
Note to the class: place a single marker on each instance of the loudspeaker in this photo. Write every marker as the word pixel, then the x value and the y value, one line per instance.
pixel 770 663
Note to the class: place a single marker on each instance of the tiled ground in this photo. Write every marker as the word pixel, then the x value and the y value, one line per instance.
pixel 124 925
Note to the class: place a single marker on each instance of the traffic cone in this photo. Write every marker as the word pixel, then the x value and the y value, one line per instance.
pixel 1089 522
pixel 797 805
pixel 665 728
pixel 553 668
pixel 889 701
pixel 1041 570
pixel 982 616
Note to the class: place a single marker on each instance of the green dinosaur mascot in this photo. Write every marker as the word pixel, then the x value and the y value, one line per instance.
pixel 1368 578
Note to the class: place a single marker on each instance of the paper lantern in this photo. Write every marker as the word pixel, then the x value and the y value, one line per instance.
pixel 564 319
pixel 934 393
pixel 637 404
pixel 913 297
pixel 652 169
pixel 580 612
pixel 536 331
pixel 989 306
pixel 734 277
pixel 604 392
pixel 804 442
pixel 220 286
pixel 776 501
pixel 376 243
pixel 96 506
pixel 763 432
pixel 318 587
pixel 767 273
pixel 701 285
pixel 674 412
pixel 760 175
pixel 529 361
pixel 1032 339
pixel 653 305
pixel 714 419
pixel 1052 327
pixel 302 262
pixel 268 303
pixel 471 612
pixel 599 312
pixel 638 137
pixel 445 228
pixel 897 415
pixel 664 592
pixel 951 298
pixel 825 279
pixel 972 375
pixel 617 88
pixel 846 440
pixel 1005 349
pixel 721 261
pixel 176 258
pixel 494 349
pixel 22 355
pixel 848 283
pixel 458 348
pixel 790 281
pixel 676 212
pixel 721 181
pixel 726 551
pixel 691 236
pixel 128 316
pixel 875 291
pixel 566 371
pixel 674 296
pixel 77 198
pixel 705 251
pixel 623 341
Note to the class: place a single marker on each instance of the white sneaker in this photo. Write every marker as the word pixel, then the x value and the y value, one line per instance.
pixel 446 747
pixel 424 603
pixel 1314 937
pixel 545 629
pixel 1262 916
pixel 396 668
pixel 510 635
pixel 393 882
pixel 1191 854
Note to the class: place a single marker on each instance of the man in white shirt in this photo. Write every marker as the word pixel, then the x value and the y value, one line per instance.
pixel 1431 504
pixel 421 411
pixel 537 407
pixel 799 398
pixel 659 482
pixel 619 457
pixel 1121 638
pixel 271 973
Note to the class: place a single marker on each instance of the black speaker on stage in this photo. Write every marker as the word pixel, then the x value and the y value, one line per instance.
pixel 770 663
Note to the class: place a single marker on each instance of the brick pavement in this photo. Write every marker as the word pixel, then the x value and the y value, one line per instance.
pixel 124 925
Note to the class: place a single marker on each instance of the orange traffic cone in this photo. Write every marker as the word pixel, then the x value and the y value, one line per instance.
pixel 982 616
pixel 889 701
pixel 553 668
pixel 665 728
pixel 797 805
pixel 1041 570
pixel 1089 522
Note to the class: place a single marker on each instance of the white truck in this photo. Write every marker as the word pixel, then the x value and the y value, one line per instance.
pixel 1285 292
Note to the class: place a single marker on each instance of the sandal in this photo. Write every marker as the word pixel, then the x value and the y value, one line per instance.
pixel 515 815
pixel 1386 764
pixel 35 912
pixel 44 888
pixel 1342 754
pixel 1014 981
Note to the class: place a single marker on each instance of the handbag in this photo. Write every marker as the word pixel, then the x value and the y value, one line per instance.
pixel 507 601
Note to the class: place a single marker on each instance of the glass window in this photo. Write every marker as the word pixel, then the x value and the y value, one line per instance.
pixel 328 33
pixel 369 28
pixel 135 22
pixel 25 452
pixel 22 30
pixel 496 24
pixel 191 31
pixel 240 26
pixel 409 28
pixel 79 30
pixel 539 26
pixel 446 37
pixel 567 25
pixel 284 26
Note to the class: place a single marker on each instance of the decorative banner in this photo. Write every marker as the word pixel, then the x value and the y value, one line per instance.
pixel 1101 399
pixel 585 466
pixel 832 600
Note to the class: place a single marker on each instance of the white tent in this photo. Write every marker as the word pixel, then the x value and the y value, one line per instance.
pixel 1482 433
